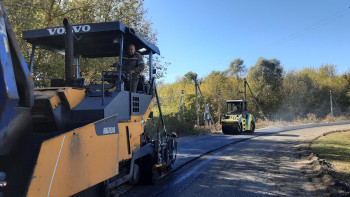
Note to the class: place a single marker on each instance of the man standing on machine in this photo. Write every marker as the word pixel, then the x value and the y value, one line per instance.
pixel 133 64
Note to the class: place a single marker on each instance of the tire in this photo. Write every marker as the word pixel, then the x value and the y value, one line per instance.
pixel 239 129
pixel 135 179
pixel 226 130
pixel 252 127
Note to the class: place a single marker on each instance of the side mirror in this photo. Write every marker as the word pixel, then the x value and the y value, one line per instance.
pixel 154 71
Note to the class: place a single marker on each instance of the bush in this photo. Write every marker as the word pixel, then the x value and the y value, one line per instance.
pixel 180 123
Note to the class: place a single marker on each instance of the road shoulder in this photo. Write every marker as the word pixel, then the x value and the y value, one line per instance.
pixel 321 173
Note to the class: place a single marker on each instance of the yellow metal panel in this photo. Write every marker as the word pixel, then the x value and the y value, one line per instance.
pixel 149 110
pixel 52 92
pixel 79 159
pixel 123 145
pixel 135 143
pixel 55 101
pixel 135 130
pixel 73 96
pixel 74 161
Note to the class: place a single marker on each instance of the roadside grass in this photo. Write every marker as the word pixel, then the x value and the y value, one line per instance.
pixel 194 131
pixel 335 149
pixel 181 127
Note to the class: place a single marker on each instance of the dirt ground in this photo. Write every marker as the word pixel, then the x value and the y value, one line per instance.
pixel 318 170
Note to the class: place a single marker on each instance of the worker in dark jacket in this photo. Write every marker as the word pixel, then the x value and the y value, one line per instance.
pixel 133 64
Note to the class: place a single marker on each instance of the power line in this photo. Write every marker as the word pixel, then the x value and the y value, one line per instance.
pixel 300 33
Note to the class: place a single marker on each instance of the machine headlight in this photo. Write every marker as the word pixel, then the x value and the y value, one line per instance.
pixel 3 183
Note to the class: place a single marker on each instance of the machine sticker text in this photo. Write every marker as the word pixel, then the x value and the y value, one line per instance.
pixel 108 130
pixel 107 126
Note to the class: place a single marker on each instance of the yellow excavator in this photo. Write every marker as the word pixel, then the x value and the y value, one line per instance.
pixel 74 138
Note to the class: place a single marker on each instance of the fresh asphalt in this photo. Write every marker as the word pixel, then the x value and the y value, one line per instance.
pixel 199 153
pixel 190 150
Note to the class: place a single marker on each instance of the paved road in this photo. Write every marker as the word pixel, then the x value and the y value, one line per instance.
pixel 267 162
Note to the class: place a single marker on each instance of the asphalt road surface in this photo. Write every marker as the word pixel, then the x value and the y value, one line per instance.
pixel 266 163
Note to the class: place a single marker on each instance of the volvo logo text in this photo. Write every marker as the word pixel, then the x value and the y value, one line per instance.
pixel 62 30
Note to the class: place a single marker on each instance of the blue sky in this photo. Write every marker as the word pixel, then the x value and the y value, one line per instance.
pixel 202 35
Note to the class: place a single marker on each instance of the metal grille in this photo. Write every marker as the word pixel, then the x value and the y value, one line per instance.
pixel 135 104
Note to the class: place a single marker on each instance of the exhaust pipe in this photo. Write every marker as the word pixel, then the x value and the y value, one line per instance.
pixel 69 53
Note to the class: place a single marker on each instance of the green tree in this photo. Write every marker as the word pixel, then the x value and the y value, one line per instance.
pixel 327 79
pixel 236 68
pixel 265 79
pixel 346 78
pixel 191 76
pixel 301 96
pixel 218 82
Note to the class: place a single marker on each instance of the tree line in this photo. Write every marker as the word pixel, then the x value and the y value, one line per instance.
pixel 282 95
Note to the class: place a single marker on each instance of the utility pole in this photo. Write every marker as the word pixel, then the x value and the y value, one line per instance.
pixel 196 85
pixel 245 89
pixel 256 102
pixel 211 117
pixel 336 104
pixel 219 105
pixel 330 95
pixel 182 103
